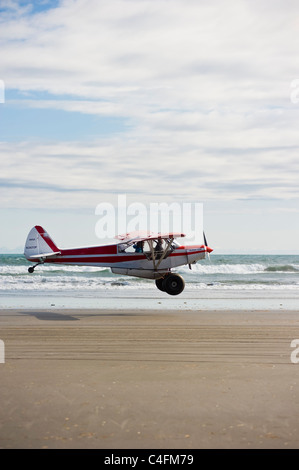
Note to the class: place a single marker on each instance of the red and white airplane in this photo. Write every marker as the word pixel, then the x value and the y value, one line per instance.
pixel 140 254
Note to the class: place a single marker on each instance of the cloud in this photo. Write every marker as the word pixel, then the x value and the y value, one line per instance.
pixel 204 88
pixel 198 50
pixel 80 175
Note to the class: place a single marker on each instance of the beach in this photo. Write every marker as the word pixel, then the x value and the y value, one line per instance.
pixel 129 378
pixel 149 259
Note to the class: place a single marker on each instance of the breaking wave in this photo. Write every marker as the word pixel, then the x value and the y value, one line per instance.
pixel 220 272
pixel 282 269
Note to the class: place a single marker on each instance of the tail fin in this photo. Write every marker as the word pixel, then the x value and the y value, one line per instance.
pixel 39 244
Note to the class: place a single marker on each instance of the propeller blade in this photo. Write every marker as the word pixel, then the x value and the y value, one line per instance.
pixel 204 239
pixel 206 244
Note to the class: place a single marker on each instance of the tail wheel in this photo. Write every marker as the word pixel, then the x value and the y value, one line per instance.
pixel 159 284
pixel 173 284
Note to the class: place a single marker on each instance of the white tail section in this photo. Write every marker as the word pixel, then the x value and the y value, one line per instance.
pixel 39 244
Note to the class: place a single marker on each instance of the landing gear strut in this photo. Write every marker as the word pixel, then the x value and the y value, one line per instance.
pixel 173 284
pixel 31 269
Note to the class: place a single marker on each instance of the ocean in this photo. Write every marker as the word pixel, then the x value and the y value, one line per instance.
pixel 223 281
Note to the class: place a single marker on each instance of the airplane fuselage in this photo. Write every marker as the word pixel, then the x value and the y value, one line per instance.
pixel 152 256
pixel 111 256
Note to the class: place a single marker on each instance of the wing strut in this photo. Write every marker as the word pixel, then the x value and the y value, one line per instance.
pixel 160 259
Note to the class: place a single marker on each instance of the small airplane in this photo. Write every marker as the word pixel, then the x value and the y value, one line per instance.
pixel 140 254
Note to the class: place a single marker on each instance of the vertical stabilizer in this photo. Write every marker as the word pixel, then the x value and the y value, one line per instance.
pixel 39 243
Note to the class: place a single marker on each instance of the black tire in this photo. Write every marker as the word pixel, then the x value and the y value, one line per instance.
pixel 159 284
pixel 31 269
pixel 173 284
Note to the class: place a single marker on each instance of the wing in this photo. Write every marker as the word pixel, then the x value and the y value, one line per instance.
pixel 145 235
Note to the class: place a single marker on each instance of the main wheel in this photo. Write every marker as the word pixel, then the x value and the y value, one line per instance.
pixel 173 284
pixel 159 284
pixel 31 269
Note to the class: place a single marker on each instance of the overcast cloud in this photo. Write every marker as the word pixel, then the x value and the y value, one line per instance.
pixel 203 91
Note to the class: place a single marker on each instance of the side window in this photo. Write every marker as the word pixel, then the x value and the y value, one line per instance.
pixel 121 248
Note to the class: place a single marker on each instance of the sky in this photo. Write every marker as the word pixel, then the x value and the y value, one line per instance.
pixel 160 101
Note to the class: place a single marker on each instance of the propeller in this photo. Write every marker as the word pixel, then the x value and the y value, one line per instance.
pixel 207 246
pixel 204 239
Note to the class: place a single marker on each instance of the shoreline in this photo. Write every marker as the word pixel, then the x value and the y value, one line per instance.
pixel 148 379
pixel 123 298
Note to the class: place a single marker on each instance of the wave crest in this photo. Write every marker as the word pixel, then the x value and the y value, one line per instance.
pixel 287 268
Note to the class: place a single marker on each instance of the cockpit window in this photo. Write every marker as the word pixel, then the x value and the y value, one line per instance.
pixel 158 245
pixel 175 244
pixel 125 248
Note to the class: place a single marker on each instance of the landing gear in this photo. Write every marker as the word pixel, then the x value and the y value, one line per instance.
pixel 159 284
pixel 31 269
pixel 173 284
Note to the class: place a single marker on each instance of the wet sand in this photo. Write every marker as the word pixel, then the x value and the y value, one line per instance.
pixel 149 379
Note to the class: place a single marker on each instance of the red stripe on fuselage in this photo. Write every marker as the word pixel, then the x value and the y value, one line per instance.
pixel 92 260
pixel 91 250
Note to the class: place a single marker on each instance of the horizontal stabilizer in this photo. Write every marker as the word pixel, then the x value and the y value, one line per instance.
pixel 45 255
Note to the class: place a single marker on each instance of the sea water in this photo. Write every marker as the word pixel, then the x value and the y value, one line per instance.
pixel 218 282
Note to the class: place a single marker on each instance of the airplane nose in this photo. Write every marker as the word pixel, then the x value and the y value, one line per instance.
pixel 208 249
